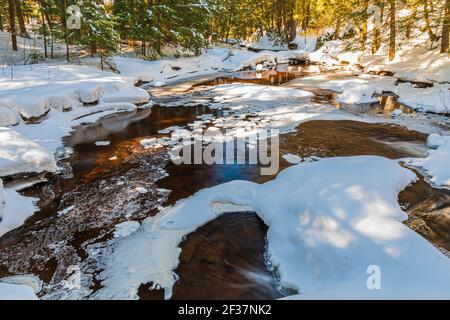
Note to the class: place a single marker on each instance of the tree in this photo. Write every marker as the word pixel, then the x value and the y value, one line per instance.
pixel 20 18
pixel 12 24
pixel 427 21
pixel 391 30
pixel 445 27
pixel 98 29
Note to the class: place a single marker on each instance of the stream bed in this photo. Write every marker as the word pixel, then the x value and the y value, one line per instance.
pixel 102 185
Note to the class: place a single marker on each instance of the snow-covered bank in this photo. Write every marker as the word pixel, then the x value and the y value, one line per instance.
pixel 61 97
pixel 365 88
pixel 324 234
pixel 22 287
pixel 161 72
pixel 16 292
pixel 34 89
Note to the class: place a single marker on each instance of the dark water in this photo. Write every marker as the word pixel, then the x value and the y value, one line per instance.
pixel 223 259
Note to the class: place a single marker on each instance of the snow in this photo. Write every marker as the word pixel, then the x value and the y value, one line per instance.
pixel 436 164
pixel 16 210
pixel 435 140
pixel 21 155
pixel 292 158
pixel 127 93
pixel 34 89
pixel 124 229
pixel 307 43
pixel 2 199
pixel 323 234
pixel 265 43
pixel 435 99
pixel 16 292
pixel 102 143
pixel 415 64
pixel 255 93
pixel 8 117
pixel 164 72
pixel 363 89
pixel 21 287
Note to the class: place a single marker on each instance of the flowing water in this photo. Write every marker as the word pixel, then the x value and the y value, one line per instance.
pixel 100 186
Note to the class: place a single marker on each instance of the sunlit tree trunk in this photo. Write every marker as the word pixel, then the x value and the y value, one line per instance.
pixel 427 21
pixel 12 24
pixel 392 30
pixel 445 27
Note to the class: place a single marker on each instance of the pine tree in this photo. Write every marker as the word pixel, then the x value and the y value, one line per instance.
pixel 98 29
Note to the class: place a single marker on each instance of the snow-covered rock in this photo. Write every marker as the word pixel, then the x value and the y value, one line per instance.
pixel 437 163
pixel 21 155
pixel 292 158
pixel 16 210
pixel 8 117
pixel 127 93
pixel 328 231
pixel 435 140
pixel 435 99
pixel 124 229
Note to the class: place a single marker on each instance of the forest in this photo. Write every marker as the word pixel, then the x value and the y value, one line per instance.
pixel 148 25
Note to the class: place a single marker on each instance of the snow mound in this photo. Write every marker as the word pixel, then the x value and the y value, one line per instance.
pixel 292 158
pixel 21 155
pixel 434 99
pixel 8 117
pixel 16 210
pixel 126 228
pixel 127 93
pixel 327 229
pixel 436 164
pixel 16 292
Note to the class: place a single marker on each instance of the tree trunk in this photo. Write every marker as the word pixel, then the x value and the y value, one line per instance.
pixel 44 28
pixel 411 21
pixel 392 30
pixel 427 21
pixel 20 19
pixel 1 22
pixel 12 24
pixel 50 26
pixel 63 8
pixel 445 27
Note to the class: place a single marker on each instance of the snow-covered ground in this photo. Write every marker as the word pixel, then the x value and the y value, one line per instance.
pixel 324 234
